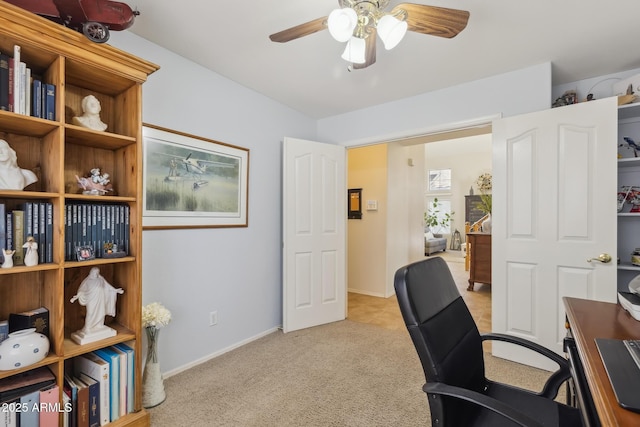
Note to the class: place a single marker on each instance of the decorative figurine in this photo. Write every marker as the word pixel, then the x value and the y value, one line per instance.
pixel 96 184
pixel 12 177
pixel 31 255
pixel 99 297
pixel 8 258
pixel 91 117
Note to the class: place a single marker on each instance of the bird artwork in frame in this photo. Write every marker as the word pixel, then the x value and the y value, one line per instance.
pixel 631 144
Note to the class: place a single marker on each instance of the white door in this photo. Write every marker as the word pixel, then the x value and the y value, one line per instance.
pixel 314 234
pixel 554 191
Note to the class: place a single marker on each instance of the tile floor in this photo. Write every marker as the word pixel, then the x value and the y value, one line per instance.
pixel 384 312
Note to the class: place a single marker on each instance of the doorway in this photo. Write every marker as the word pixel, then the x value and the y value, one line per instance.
pixel 390 234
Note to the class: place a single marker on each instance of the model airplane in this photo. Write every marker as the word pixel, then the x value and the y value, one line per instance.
pixel 631 144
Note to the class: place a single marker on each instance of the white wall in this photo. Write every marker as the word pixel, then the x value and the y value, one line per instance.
pixel 508 94
pixel 236 271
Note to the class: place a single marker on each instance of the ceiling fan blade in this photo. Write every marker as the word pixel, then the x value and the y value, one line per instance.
pixel 300 30
pixel 433 20
pixel 369 53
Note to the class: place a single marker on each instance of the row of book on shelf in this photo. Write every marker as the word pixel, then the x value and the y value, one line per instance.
pixel 31 219
pixel 99 388
pixel 22 91
pixel 103 228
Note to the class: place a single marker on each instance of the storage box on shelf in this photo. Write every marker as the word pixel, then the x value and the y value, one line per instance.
pixel 57 150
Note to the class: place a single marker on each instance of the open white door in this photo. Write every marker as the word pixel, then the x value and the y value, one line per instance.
pixel 554 192
pixel 314 234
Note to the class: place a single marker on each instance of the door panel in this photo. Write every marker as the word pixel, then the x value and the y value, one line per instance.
pixel 554 191
pixel 314 234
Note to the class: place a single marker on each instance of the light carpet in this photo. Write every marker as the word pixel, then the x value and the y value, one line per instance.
pixel 340 374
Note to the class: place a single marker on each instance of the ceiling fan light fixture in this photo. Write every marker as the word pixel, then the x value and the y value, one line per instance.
pixel 341 23
pixel 355 51
pixel 391 31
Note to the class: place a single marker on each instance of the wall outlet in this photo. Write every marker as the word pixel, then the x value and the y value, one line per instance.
pixel 213 318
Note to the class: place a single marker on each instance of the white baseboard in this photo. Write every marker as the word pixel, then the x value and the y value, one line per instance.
pixel 218 353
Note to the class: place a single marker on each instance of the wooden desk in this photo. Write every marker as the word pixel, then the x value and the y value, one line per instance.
pixel 588 320
pixel 480 254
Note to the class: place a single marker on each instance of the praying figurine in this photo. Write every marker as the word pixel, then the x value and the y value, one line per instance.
pixel 8 258
pixel 31 253
pixel 91 114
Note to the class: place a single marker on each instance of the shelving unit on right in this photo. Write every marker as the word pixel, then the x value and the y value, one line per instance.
pixel 628 236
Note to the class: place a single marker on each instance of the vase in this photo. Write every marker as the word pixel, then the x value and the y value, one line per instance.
pixel 152 382
pixel 23 348
pixel 486 224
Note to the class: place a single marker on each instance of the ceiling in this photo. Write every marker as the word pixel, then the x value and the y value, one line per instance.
pixel 581 38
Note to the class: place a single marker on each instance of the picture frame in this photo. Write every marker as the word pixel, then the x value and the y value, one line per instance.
pixel 192 182
pixel 85 253
pixel 354 203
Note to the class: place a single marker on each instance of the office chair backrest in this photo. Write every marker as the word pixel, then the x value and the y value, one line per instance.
pixel 440 324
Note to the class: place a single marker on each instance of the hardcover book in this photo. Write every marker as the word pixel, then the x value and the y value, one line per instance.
pixel 114 380
pixel 18 236
pixel 49 406
pixel 38 318
pixel 94 399
pixel 4 82
pixel 97 368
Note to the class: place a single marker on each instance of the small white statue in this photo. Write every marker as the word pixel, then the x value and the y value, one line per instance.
pixel 91 114
pixel 8 258
pixel 12 177
pixel 31 255
pixel 99 297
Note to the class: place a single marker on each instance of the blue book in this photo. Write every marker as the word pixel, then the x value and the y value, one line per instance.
pixel 94 399
pixel 114 377
pixel 36 98
pixel 4 330
pixel 49 101
pixel 29 414
pixel 3 231
pixel 130 375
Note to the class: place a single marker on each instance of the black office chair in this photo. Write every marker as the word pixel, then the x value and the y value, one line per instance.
pixel 450 349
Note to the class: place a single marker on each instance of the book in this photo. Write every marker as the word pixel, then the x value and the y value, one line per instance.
pixel 9 418
pixel 131 359
pixel 114 380
pixel 3 231
pixel 16 79
pixel 36 98
pixel 49 101
pixel 37 318
pixel 94 399
pixel 82 405
pixel 18 236
pixel 4 82
pixel 25 382
pixel 4 330
pixel 9 230
pixel 49 406
pixel 71 388
pixel 67 409
pixel 122 403
pixel 97 368
pixel 29 403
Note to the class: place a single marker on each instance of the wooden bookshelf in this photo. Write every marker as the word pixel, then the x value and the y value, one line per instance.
pixel 59 150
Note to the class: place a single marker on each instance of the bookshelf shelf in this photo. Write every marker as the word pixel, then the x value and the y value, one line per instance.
pixel 57 150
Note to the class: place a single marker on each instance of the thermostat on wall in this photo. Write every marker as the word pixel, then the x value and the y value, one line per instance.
pixel 372 205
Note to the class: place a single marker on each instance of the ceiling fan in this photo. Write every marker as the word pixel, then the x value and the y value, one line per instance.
pixel 357 22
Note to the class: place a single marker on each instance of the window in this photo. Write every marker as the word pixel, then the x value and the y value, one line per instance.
pixel 439 180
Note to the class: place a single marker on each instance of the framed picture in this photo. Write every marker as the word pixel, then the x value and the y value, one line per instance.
pixel 85 253
pixel 192 182
pixel 354 203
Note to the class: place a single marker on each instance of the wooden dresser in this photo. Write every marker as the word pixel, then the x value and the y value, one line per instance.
pixel 480 254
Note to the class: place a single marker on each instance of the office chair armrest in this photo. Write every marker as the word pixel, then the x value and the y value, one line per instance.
pixel 481 400
pixel 551 387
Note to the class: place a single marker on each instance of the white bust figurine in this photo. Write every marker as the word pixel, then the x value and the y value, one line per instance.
pixel 12 177
pixel 91 117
